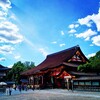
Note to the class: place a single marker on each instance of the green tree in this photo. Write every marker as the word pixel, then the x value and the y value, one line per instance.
pixel 18 67
pixel 14 73
pixel 29 65
pixel 93 65
pixel 9 76
pixel 96 65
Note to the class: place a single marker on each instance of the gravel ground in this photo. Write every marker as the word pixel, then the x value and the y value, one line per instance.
pixel 52 94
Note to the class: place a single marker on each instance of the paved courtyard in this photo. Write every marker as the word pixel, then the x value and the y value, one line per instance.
pixel 51 94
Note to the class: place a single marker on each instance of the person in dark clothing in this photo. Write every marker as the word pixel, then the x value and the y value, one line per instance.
pixel 10 90
pixel 20 88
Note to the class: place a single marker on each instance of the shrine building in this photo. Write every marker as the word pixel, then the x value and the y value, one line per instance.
pixel 3 72
pixel 59 70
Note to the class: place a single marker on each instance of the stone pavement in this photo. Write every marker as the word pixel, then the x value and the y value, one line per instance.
pixel 51 94
pixel 14 92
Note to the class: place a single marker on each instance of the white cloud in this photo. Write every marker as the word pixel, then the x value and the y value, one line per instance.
pixel 4 7
pixel 17 57
pixel 43 51
pixel 89 34
pixel 10 66
pixel 87 20
pixel 76 25
pixel 54 42
pixel 96 40
pixel 72 31
pixel 86 35
pixel 63 44
pixel 91 45
pixel 91 55
pixel 5 4
pixel 73 26
pixel 2 59
pixel 62 33
pixel 9 33
pixel 3 15
pixel 5 49
pixel 96 19
pixel 13 16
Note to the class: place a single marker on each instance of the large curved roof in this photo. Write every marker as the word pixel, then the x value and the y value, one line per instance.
pixel 55 59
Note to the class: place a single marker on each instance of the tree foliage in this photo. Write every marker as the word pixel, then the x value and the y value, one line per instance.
pixel 29 65
pixel 93 65
pixel 18 67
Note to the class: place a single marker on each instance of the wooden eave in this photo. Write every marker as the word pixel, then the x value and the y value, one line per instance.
pixel 87 78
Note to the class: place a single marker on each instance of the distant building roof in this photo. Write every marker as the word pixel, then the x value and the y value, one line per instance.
pixel 55 59
pixel 3 68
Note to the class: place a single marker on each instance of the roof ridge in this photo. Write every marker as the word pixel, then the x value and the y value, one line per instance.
pixel 77 46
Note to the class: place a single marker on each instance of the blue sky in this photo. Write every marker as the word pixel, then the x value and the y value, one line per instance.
pixel 32 29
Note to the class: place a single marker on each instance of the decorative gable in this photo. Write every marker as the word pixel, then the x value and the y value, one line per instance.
pixel 77 58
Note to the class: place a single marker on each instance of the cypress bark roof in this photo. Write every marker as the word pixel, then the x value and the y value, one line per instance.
pixel 55 59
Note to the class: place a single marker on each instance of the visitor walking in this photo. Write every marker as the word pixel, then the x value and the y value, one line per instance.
pixel 7 91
